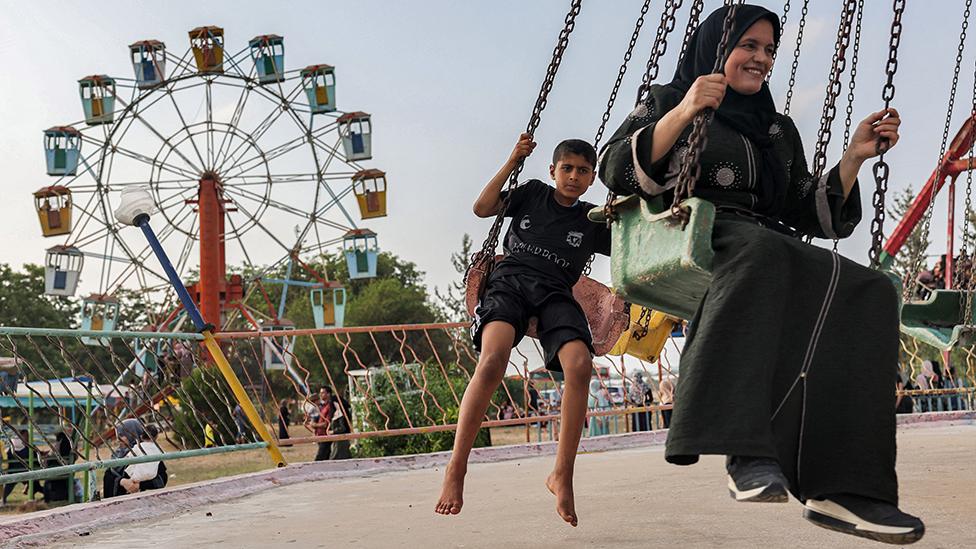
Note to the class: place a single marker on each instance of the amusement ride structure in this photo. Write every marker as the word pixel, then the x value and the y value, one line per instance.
pixel 238 153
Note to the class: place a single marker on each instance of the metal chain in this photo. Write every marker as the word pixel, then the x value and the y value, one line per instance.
pixel 838 64
pixel 693 17
pixel 853 78
pixel 880 168
pixel 698 140
pixel 620 74
pixel 643 324
pixel 916 262
pixel 966 236
pixel 967 281
pixel 782 27
pixel 796 56
pixel 659 48
pixel 610 102
pixel 487 253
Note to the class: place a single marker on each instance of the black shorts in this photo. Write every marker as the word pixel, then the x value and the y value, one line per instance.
pixel 515 300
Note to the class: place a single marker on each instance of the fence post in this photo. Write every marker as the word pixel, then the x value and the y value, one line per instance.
pixel 30 442
pixel 86 493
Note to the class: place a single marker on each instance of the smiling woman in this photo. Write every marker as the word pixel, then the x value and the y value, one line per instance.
pixel 769 339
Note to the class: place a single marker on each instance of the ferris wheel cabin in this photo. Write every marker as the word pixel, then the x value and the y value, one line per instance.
pixel 53 205
pixel 99 313
pixel 148 62
pixel 362 251
pixel 97 98
pixel 328 306
pixel 357 133
pixel 278 349
pixel 208 48
pixel 62 267
pixel 268 53
pixel 369 187
pixel 319 84
pixel 62 148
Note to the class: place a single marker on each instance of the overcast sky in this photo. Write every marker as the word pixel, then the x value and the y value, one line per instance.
pixel 450 85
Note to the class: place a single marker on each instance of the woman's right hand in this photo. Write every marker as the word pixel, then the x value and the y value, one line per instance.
pixel 706 92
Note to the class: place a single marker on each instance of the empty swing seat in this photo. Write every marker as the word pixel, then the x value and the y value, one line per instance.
pixel 655 261
pixel 644 339
pixel 938 321
pixel 605 311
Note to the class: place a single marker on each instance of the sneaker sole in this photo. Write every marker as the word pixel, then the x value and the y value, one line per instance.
pixel 771 493
pixel 886 534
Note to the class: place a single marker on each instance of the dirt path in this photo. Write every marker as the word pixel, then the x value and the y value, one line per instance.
pixel 628 498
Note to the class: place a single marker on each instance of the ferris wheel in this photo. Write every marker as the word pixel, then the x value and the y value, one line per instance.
pixel 248 163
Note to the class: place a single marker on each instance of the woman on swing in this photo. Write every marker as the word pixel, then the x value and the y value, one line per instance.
pixel 790 362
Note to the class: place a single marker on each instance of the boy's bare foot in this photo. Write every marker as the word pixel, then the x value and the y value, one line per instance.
pixel 451 493
pixel 561 486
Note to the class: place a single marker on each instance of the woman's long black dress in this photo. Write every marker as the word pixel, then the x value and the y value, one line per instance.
pixel 793 351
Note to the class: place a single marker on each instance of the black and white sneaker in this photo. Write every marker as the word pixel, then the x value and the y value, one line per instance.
pixel 864 517
pixel 756 480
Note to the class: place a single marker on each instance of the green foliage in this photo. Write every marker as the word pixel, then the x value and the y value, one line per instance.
pixel 397 295
pixel 451 301
pixel 23 303
pixel 205 398
pixel 915 247
pixel 435 405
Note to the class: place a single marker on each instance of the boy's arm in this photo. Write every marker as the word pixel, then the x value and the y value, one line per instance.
pixel 489 202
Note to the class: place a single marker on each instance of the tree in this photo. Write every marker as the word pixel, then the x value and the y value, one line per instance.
pixel 452 301
pixel 916 247
pixel 397 295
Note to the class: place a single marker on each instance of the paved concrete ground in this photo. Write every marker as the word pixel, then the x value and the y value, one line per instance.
pixel 627 498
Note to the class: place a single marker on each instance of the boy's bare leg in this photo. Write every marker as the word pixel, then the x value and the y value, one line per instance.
pixel 577 369
pixel 496 346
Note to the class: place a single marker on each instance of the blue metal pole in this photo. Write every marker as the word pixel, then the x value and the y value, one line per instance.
pixel 284 289
pixel 191 308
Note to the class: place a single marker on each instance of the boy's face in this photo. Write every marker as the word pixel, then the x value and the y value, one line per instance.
pixel 573 175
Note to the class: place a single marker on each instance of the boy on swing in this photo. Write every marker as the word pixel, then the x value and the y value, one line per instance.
pixel 547 248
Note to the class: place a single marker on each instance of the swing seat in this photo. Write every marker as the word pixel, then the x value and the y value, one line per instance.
pixel 938 321
pixel 605 311
pixel 647 347
pixel 655 261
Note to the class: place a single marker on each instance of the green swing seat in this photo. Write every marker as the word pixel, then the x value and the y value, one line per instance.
pixel 655 261
pixel 938 321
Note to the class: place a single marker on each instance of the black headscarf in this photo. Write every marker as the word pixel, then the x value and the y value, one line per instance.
pixel 750 115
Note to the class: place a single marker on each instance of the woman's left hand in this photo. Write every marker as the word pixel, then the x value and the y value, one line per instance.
pixel 877 126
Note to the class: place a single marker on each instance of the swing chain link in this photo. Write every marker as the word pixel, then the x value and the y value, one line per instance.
pixel 796 56
pixel 838 65
pixel 643 324
pixel 849 112
pixel 967 279
pixel 486 256
pixel 693 17
pixel 620 74
pixel 698 139
pixel 916 263
pixel 880 168
pixel 660 47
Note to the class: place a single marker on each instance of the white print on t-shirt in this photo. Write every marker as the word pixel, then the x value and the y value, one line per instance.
pixel 574 238
pixel 525 223
pixel 541 252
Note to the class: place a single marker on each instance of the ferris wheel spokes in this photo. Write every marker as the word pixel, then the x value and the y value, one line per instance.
pixel 165 140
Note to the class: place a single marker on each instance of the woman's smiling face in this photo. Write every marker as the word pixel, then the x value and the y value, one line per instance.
pixel 751 59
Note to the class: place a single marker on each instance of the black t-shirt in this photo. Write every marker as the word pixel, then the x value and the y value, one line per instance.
pixel 548 240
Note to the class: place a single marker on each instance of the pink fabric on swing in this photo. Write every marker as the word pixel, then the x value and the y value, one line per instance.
pixel 605 311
